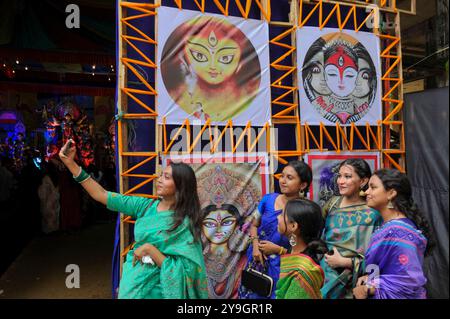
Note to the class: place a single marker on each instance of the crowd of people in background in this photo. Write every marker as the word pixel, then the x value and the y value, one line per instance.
pixel 53 200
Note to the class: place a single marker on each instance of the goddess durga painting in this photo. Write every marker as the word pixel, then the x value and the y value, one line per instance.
pixel 210 69
pixel 339 78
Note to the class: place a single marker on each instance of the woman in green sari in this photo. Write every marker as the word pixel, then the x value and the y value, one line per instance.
pixel 349 225
pixel 167 260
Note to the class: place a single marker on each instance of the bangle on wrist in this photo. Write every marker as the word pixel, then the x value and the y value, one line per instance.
pixel 281 252
pixel 79 172
pixel 82 176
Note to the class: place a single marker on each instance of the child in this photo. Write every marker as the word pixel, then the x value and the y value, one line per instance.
pixel 301 277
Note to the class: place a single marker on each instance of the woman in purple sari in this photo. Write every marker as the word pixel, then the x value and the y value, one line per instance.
pixel 396 251
pixel 267 243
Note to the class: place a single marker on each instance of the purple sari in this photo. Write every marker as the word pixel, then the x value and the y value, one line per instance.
pixel 397 248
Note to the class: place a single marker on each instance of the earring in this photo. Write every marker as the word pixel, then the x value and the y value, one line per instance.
pixel 390 205
pixel 362 193
pixel 301 194
pixel 293 240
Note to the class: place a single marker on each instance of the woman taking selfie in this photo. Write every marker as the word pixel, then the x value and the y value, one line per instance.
pixel 167 260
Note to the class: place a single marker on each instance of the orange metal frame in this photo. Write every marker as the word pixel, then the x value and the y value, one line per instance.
pixel 286 64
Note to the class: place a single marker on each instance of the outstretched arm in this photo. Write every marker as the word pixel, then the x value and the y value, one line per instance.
pixel 95 190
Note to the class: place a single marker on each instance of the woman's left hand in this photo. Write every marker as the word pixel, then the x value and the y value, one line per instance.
pixel 268 248
pixel 361 292
pixel 362 280
pixel 336 260
pixel 144 250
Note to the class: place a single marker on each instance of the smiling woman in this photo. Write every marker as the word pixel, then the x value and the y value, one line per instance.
pixel 348 226
pixel 267 243
pixel 166 260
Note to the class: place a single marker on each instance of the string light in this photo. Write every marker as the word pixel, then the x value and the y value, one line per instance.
pixel 17 61
pixel 26 68
pixel 93 67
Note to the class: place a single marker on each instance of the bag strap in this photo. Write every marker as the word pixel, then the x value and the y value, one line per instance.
pixel 345 248
pixel 330 205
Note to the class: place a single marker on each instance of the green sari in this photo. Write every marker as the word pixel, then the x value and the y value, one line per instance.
pixel 349 229
pixel 300 278
pixel 182 275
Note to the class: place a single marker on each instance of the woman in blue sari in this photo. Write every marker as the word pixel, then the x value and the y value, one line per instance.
pixel 396 251
pixel 267 243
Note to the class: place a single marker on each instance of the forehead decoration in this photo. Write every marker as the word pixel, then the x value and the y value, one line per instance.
pixel 212 40
pixel 341 59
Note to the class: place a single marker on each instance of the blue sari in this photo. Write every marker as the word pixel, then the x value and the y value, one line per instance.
pixel 268 230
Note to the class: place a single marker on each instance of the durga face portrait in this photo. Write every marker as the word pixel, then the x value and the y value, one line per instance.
pixel 210 69
pixel 339 78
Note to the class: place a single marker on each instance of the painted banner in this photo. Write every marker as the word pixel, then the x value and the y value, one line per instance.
pixel 230 187
pixel 212 67
pixel 325 167
pixel 339 76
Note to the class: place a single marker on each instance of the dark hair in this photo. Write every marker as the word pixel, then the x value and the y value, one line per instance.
pixel 398 181
pixel 308 215
pixel 227 207
pixel 303 171
pixel 361 168
pixel 187 201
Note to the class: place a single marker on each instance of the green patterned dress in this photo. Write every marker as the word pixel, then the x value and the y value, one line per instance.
pixel 300 278
pixel 349 229
pixel 182 275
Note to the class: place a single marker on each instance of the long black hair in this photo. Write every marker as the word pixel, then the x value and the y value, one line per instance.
pixel 187 203
pixel 308 215
pixel 361 168
pixel 404 203
pixel 304 172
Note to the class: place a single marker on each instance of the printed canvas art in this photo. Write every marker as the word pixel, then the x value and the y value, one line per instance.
pixel 339 76
pixel 212 67
pixel 230 188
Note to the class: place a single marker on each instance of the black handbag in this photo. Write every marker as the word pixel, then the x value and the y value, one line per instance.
pixel 256 281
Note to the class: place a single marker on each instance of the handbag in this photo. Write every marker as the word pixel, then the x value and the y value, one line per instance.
pixel 257 281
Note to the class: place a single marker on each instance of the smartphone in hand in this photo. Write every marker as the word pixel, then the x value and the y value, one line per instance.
pixel 69 146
